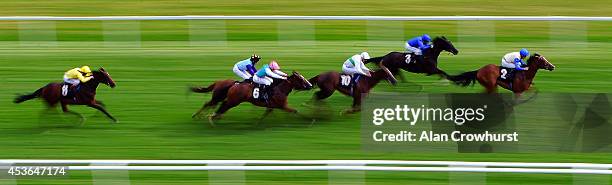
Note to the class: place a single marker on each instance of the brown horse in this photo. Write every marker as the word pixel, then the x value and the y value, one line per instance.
pixel 488 76
pixel 51 94
pixel 329 82
pixel 397 60
pixel 231 93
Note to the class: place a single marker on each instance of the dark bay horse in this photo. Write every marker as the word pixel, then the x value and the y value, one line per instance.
pixel 395 61
pixel 329 82
pixel 488 76
pixel 52 95
pixel 231 93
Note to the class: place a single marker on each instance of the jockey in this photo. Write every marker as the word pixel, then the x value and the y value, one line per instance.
pixel 418 46
pixel 246 68
pixel 514 61
pixel 75 76
pixel 355 64
pixel 266 74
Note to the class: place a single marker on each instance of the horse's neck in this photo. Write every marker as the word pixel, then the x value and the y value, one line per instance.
pixel 434 53
pixel 377 76
pixel 90 85
pixel 284 87
pixel 530 73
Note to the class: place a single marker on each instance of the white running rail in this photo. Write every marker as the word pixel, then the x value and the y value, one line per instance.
pixel 322 165
pixel 283 17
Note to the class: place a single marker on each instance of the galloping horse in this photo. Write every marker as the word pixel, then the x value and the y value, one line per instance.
pixel 232 94
pixel 488 76
pixel 51 94
pixel 397 60
pixel 329 82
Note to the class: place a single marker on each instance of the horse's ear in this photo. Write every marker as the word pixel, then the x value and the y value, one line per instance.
pixel 102 69
pixel 294 72
pixel 443 37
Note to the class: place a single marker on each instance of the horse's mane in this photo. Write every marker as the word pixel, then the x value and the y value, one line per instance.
pixel 533 57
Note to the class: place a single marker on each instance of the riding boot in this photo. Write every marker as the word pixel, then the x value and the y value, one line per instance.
pixel 264 92
pixel 420 59
pixel 511 75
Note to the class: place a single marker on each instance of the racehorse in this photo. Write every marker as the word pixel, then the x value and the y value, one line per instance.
pixel 231 93
pixel 488 76
pixel 397 60
pixel 329 82
pixel 51 94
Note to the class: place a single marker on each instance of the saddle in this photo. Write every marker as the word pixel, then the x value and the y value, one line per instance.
pixel 409 58
pixel 68 90
pixel 262 92
pixel 506 74
pixel 348 81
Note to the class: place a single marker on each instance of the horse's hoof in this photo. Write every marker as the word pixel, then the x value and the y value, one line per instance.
pixel 305 104
pixel 81 121
pixel 211 119
pixel 115 121
pixel 312 122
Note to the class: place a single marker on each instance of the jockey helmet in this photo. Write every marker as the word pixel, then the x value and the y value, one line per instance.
pixel 524 52
pixel 426 38
pixel 273 65
pixel 255 58
pixel 365 55
pixel 86 70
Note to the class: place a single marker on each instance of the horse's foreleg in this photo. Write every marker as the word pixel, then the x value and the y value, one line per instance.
pixel 103 110
pixel 356 105
pixel 295 112
pixel 441 73
pixel 268 111
pixel 100 103
pixel 289 109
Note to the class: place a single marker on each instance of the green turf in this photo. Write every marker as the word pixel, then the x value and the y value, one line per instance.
pixel 152 76
pixel 315 7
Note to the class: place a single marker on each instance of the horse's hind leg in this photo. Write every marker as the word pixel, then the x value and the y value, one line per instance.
pixel 268 111
pixel 216 98
pixel 103 110
pixel 66 111
pixel 207 105
pixel 322 94
pixel 401 76
pixel 225 106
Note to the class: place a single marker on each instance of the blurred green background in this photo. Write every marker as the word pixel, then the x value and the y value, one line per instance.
pixel 154 61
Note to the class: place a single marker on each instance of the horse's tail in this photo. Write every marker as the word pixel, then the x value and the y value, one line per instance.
pixel 376 60
pixel 464 79
pixel 203 89
pixel 314 80
pixel 26 97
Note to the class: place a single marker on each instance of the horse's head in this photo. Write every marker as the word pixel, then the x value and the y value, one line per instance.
pixel 103 77
pixel 540 62
pixel 445 44
pixel 299 82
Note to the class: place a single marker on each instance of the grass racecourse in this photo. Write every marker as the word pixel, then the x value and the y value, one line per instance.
pixel 154 61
